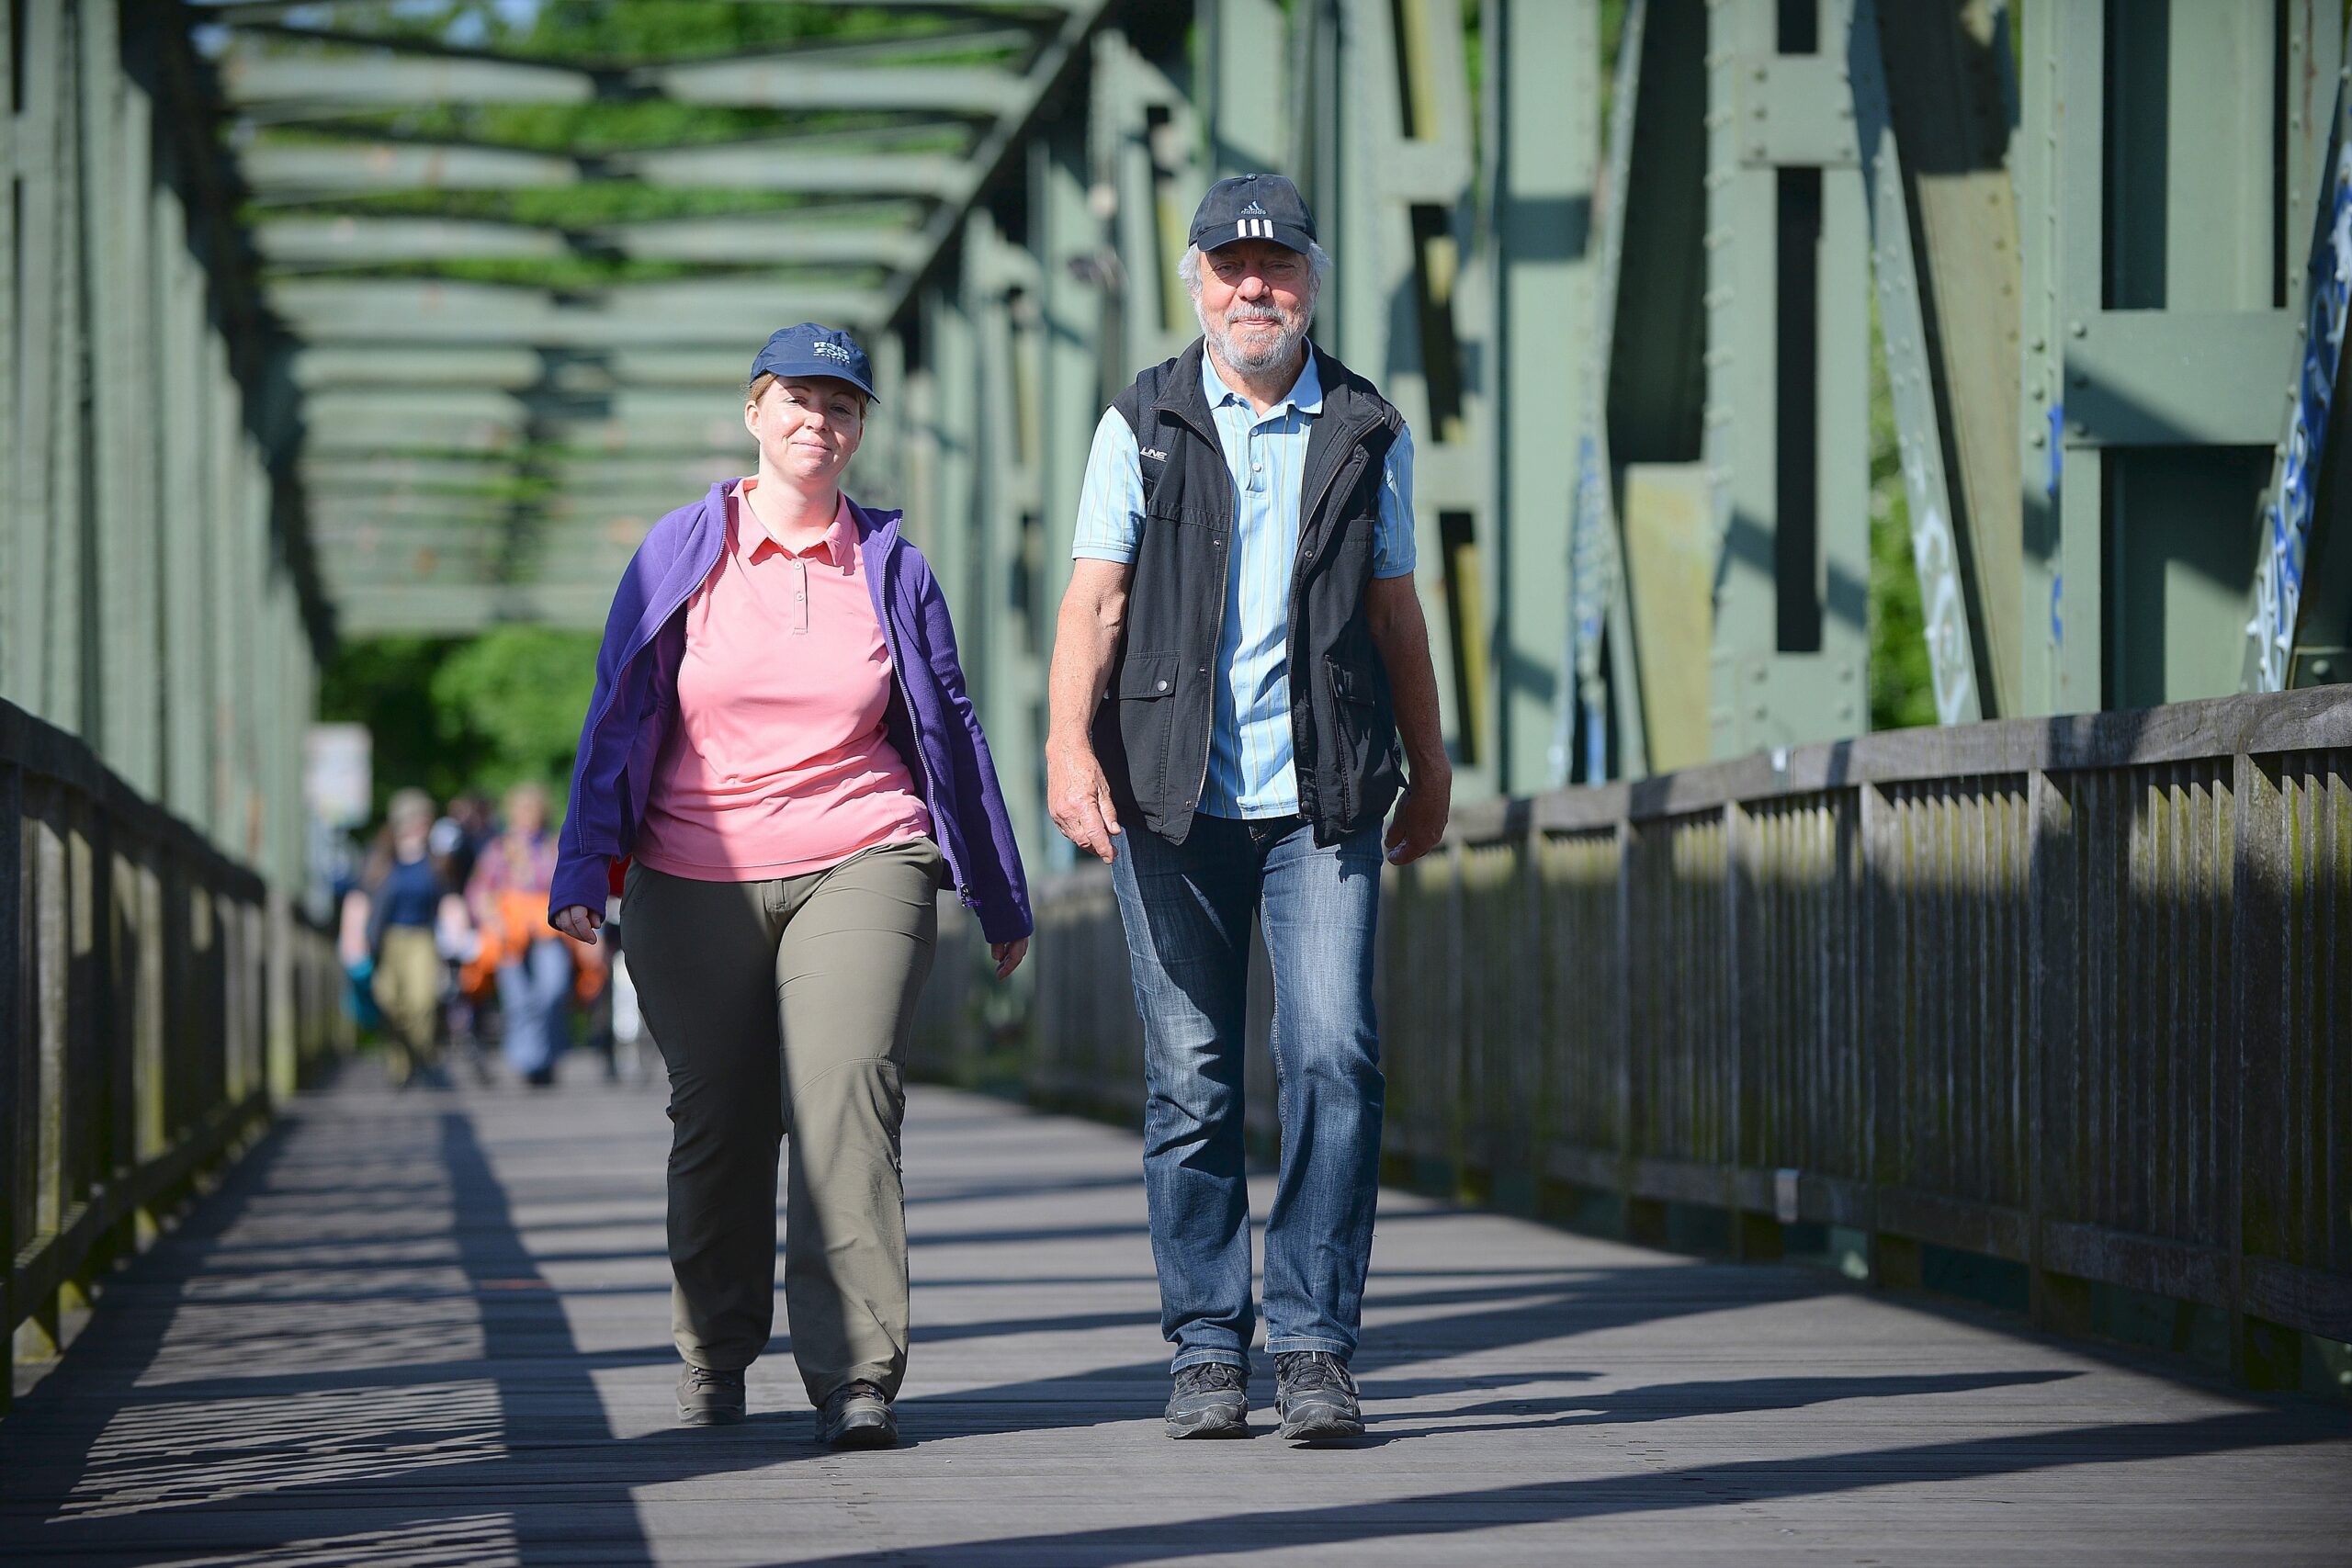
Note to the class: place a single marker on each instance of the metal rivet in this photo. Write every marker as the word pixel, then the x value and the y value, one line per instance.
pixel 1163 685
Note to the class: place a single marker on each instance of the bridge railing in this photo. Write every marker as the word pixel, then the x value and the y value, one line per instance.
pixel 154 997
pixel 2076 994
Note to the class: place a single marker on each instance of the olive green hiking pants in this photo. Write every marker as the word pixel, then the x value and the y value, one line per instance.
pixel 784 1008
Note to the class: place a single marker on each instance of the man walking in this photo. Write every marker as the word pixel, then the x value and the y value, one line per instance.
pixel 1239 654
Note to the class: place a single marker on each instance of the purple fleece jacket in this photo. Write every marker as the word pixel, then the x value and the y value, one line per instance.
pixel 931 720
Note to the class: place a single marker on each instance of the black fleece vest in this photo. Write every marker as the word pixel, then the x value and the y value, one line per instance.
pixel 1152 731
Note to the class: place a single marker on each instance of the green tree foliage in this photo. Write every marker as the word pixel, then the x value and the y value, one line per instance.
pixel 1903 692
pixel 451 714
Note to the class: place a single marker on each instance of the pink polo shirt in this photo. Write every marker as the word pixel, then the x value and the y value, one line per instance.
pixel 780 764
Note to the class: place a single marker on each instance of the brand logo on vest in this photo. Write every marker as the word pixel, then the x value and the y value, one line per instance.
pixel 1154 453
pixel 832 351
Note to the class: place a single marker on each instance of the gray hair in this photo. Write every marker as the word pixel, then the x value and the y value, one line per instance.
pixel 1188 267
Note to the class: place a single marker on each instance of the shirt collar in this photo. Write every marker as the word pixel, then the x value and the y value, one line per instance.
pixel 838 547
pixel 1305 394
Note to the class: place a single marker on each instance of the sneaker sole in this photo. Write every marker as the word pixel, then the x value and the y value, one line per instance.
pixel 1208 1424
pixel 1320 1425
pixel 694 1417
pixel 866 1435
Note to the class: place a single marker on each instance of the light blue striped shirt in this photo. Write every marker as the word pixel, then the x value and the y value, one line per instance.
pixel 1250 773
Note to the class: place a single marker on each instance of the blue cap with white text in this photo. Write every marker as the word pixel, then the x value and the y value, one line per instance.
pixel 812 350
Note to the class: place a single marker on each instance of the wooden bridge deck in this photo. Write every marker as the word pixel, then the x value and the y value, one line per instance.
pixel 431 1329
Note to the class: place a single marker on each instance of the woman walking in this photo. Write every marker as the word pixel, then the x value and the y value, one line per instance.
pixel 403 887
pixel 507 895
pixel 781 746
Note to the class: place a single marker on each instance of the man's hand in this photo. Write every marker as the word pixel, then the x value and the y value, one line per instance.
pixel 579 922
pixel 1419 819
pixel 1008 955
pixel 1079 799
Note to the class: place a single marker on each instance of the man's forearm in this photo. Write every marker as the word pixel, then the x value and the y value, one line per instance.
pixel 1086 637
pixel 1402 635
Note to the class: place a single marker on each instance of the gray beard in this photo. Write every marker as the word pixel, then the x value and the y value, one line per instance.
pixel 1282 349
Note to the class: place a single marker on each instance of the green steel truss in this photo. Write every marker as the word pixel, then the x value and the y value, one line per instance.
pixel 1656 284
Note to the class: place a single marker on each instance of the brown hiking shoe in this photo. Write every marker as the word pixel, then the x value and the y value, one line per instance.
pixel 707 1398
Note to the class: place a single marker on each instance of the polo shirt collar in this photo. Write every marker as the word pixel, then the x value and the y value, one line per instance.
pixel 1305 394
pixel 754 543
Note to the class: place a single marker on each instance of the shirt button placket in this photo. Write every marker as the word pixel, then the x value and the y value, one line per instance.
pixel 800 596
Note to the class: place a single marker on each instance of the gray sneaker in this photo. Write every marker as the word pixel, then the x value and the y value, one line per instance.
pixel 1209 1400
pixel 709 1399
pixel 1316 1397
pixel 858 1416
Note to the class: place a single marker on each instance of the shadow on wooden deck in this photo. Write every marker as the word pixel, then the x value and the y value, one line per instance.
pixel 415 1330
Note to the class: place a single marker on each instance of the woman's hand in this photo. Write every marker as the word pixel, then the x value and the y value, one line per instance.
pixel 1008 955
pixel 578 922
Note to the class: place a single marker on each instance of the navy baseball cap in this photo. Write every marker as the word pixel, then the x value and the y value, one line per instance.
pixel 1253 207
pixel 811 349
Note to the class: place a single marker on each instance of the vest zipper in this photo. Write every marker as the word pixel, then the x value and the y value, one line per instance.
pixel 1216 626
pixel 1351 464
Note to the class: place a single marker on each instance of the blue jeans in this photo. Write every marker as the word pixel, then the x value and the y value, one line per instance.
pixel 1188 909
pixel 532 991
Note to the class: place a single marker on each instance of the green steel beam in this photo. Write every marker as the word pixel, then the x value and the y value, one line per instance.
pixel 712 372
pixel 1644 550
pixel 587 475
pixel 1944 77
pixel 1543 58
pixel 1071 244
pixel 1788 416
pixel 1057 67
pixel 1920 399
pixel 461 609
pixel 2170 360
pixel 314 171
pixel 373 242
pixel 998 616
pixel 1406 303
pixel 44 287
pixel 238 12
pixel 251 78
pixel 1245 93
pixel 16 523
pixel 641 315
pixel 1148 157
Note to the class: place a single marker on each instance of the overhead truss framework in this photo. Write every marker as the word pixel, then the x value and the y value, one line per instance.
pixel 514 263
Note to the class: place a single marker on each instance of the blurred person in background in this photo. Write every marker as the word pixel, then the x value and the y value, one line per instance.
pixel 470 1005
pixel 508 897
pixel 780 738
pixel 403 890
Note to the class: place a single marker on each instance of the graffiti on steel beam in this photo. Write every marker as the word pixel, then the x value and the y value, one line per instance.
pixel 1591 564
pixel 1943 603
pixel 2287 520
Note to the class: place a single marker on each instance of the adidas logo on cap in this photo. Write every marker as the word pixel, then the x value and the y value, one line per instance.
pixel 1253 210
